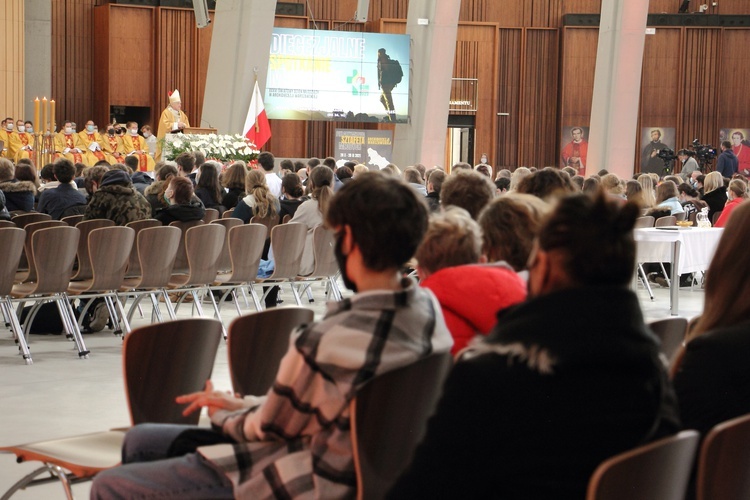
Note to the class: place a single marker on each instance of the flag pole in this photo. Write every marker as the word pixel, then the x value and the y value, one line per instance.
pixel 255 70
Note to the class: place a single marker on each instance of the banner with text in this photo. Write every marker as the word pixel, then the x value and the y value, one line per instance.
pixel 373 148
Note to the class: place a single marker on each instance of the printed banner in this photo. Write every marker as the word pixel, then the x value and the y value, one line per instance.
pixel 373 148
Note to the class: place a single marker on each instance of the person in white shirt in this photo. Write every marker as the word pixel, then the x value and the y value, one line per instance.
pixel 266 162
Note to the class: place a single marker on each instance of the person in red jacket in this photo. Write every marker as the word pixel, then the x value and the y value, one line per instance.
pixel 737 193
pixel 451 265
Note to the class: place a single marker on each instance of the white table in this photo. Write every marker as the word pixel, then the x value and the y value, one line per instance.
pixel 689 250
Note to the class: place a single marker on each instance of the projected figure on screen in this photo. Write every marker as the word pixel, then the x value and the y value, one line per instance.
pixel 389 75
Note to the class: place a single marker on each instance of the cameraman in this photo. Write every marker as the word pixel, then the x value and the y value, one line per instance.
pixel 727 164
pixel 689 165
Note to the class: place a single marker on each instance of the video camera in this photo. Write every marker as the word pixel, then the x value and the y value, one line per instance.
pixel 704 153
pixel 668 157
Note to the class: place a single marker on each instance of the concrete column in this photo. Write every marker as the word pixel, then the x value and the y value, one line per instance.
pixel 432 55
pixel 240 43
pixel 37 54
pixel 617 87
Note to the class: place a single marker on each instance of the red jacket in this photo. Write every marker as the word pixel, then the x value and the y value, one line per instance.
pixel 471 296
pixel 728 208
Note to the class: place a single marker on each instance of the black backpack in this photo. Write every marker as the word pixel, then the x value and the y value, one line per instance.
pixel 392 74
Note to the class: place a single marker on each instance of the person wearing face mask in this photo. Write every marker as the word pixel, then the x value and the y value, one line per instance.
pixel 172 120
pixel 69 145
pixel 112 142
pixel 29 127
pixel 736 194
pixel 21 142
pixel 689 165
pixel 135 144
pixel 150 139
pixel 94 145
pixel 6 132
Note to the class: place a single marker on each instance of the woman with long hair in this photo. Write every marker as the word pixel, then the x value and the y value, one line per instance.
pixel 208 189
pixel 292 195
pixel 711 373
pixel 666 196
pixel 737 194
pixel 155 192
pixel 312 213
pixel 183 205
pixel 258 200
pixel 715 193
pixel 689 197
pixel 233 180
pixel 649 194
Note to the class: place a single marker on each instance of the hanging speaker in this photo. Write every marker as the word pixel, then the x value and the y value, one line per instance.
pixel 363 7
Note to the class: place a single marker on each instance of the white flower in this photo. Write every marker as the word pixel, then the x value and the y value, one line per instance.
pixel 177 144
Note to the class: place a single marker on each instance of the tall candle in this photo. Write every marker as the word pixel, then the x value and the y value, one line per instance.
pixel 43 124
pixel 52 116
pixel 36 112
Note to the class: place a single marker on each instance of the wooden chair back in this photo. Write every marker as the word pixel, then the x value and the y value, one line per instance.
pixel 11 247
pixel 54 250
pixel 227 213
pixel 245 250
pixel 323 252
pixel 724 462
pixel 7 223
pixel 715 217
pixel 225 261
pixel 656 471
pixel 257 342
pixel 270 222
pixel 389 418
pixel 691 217
pixel 85 271
pixel 645 221
pixel 72 220
pixel 165 360
pixel 27 259
pixel 181 260
pixel 29 218
pixel 204 244
pixel 109 250
pixel 211 215
pixel 156 247
pixel 286 219
pixel 671 333
pixel 679 216
pixel 288 243
pixel 134 264
pixel 669 220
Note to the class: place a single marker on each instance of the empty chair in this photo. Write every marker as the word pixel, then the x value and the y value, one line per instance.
pixel 645 221
pixel 671 333
pixel 54 251
pixel 11 246
pixel 389 418
pixel 156 248
pixel 160 363
pixel 84 260
pixel 211 215
pixel 245 246
pixel 724 462
pixel 109 251
pixel 256 344
pixel 24 219
pixel 656 471
pixel 72 220
pixel 225 261
pixel 181 260
pixel 288 243
pixel 325 265
pixel 134 266
pixel 669 220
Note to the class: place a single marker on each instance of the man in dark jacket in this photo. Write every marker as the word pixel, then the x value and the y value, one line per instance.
pixel 566 380
pixel 116 199
pixel 56 201
pixel 727 163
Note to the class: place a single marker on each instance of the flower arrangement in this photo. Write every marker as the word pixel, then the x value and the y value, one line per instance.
pixel 223 148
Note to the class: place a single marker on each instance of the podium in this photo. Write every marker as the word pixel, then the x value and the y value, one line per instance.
pixel 198 130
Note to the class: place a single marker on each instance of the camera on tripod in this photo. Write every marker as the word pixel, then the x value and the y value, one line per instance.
pixel 704 153
pixel 668 157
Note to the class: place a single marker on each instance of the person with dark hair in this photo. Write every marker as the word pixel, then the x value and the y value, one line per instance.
pixel 344 174
pixel 467 189
pixel 132 162
pixel 689 165
pixel 331 163
pixel 186 165
pixel 200 159
pixel 183 205
pixel 92 179
pixel 650 161
pixel 312 212
pixel 292 195
pixel 389 75
pixel 55 201
pixel 286 164
pixel 727 162
pixel 690 200
pixel 532 410
pixel 666 196
pixel 267 163
pixel 233 180
pixel 208 189
pixel 435 180
pixel 19 195
pixel 547 184
pixel 117 200
pixel 414 179
pixel 155 192
pixel 297 438
pixel 502 185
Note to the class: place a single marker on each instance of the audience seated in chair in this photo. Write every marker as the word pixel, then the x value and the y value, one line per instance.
pixel 183 205
pixel 312 212
pixel 469 294
pixel 297 438
pixel 55 201
pixel 258 200
pixel 565 380
pixel 712 375
pixel 467 189
pixel 117 200
pixel 19 195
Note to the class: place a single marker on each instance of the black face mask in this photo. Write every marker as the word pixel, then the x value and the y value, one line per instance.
pixel 341 260
pixel 111 131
